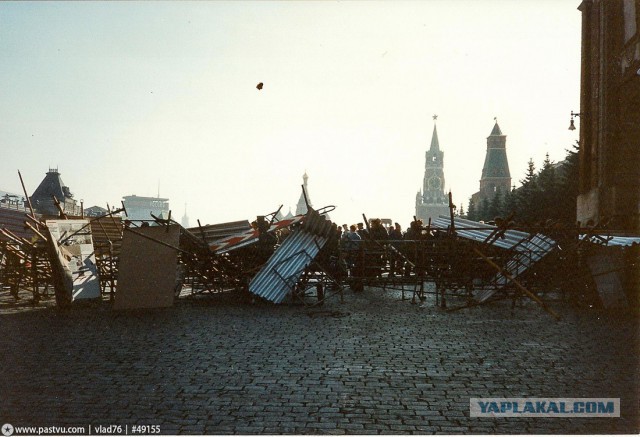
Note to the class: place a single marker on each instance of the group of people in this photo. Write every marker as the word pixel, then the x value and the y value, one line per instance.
pixel 350 235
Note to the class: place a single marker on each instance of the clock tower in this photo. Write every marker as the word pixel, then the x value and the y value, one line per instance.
pixel 431 201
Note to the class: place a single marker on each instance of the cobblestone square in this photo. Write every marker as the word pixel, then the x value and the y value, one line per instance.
pixel 375 364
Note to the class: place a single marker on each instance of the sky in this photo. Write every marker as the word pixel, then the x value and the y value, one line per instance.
pixel 160 97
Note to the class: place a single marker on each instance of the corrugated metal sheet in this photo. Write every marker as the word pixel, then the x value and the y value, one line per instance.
pixel 528 249
pixel 283 270
pixel 249 237
pixel 528 252
pixel 612 240
pixel 220 230
pixel 479 232
pixel 285 267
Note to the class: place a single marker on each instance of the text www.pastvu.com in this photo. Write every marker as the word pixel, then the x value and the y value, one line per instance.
pixel 8 429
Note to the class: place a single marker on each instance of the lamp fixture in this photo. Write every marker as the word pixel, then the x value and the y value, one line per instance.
pixel 572 125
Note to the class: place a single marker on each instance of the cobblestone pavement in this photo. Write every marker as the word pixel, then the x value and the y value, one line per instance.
pixel 374 364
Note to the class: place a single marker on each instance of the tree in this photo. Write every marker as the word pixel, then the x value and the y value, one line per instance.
pixel 549 192
pixel 483 214
pixel 472 214
pixel 495 205
pixel 509 204
pixel 528 196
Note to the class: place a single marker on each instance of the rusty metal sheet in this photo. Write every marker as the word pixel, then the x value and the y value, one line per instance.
pixel 220 230
pixel 250 236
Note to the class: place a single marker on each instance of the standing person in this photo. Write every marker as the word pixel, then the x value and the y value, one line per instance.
pixel 413 247
pixel 353 237
pixel 378 232
pixel 415 231
pixel 395 233
pixel 352 258
pixel 376 260
pixel 362 231
pixel 350 245
pixel 395 237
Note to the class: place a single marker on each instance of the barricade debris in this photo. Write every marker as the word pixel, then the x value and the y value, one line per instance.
pixel 282 273
pixel 145 264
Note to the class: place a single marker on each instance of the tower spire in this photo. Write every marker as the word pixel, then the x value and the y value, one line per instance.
pixel 435 144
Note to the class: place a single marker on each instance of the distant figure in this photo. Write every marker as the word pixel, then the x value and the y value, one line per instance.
pixel 259 86
pixel 378 232
pixel 362 231
pixel 395 236
pixel 415 231
pixel 350 244
pixel 395 233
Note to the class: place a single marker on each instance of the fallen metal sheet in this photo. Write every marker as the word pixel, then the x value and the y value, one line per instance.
pixel 73 244
pixel 479 232
pixel 147 272
pixel 279 276
pixel 612 240
pixel 528 249
pixel 527 253
pixel 283 270
pixel 249 237
pixel 219 231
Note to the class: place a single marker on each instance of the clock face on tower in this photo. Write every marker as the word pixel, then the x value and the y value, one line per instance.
pixel 434 183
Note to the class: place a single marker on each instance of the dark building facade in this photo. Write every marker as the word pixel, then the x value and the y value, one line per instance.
pixel 52 185
pixel 495 171
pixel 431 201
pixel 609 151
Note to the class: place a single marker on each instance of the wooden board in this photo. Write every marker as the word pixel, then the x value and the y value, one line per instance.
pixel 148 269
pixel 606 268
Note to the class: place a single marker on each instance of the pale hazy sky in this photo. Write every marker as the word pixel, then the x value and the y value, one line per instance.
pixel 123 96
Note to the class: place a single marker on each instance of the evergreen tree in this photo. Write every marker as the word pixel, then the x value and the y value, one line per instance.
pixel 567 187
pixel 483 214
pixel 462 214
pixel 549 191
pixel 509 204
pixel 495 206
pixel 528 196
pixel 472 214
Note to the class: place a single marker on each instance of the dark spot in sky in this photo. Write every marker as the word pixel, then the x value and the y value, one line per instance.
pixel 259 86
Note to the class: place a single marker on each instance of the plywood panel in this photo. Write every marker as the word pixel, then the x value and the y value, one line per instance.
pixel 606 267
pixel 147 269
